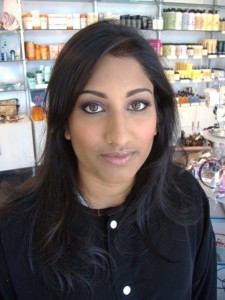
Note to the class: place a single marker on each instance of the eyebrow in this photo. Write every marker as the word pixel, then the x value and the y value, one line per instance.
pixel 136 91
pixel 130 93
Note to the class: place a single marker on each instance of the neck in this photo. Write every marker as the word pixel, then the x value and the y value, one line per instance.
pixel 99 195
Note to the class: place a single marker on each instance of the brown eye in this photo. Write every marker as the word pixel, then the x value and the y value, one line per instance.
pixel 138 105
pixel 92 108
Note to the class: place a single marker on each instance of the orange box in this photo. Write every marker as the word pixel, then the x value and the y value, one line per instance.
pixel 38 113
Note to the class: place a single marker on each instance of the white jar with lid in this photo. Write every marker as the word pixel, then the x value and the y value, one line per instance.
pixel 27 21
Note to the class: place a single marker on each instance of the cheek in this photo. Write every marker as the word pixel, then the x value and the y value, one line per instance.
pixel 82 139
pixel 148 133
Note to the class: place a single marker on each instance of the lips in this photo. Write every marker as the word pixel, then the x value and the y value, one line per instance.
pixel 118 158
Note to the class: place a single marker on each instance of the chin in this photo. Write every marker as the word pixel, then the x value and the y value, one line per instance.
pixel 118 178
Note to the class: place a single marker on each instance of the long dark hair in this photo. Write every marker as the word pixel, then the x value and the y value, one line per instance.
pixel 49 201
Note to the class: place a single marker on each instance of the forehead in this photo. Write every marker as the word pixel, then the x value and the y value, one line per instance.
pixel 121 70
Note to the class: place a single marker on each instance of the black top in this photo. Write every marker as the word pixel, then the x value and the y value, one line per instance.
pixel 139 274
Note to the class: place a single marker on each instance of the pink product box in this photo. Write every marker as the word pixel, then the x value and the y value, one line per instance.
pixel 157 45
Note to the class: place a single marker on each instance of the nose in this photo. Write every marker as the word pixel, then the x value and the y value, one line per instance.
pixel 117 129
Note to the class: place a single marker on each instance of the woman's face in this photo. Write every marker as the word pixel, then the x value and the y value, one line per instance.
pixel 113 123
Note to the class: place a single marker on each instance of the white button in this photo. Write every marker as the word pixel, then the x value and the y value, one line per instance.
pixel 113 224
pixel 126 290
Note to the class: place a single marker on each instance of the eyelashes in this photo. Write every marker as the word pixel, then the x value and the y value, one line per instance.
pixel 94 107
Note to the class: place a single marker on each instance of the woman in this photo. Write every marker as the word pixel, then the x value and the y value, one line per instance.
pixel 108 214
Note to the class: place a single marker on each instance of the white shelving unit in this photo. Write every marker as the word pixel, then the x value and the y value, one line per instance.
pixel 16 145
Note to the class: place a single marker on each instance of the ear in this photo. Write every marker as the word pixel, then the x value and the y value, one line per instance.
pixel 156 130
pixel 67 134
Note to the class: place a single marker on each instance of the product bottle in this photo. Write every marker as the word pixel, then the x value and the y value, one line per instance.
pixel 185 20
pixel 90 19
pixel 204 20
pixel 83 21
pixel 216 21
pixel 172 19
pixel 155 23
pixel 209 20
pixel 47 74
pixel 12 55
pixel 37 52
pixel 191 20
pixel 165 19
pixel 160 23
pixel 198 20
pixel 31 80
pixel 44 49
pixel 178 20
pixel 39 77
pixel 27 21
pixel 29 50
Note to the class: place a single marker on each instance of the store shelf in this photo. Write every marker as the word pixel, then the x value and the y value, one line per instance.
pixel 210 56
pixel 184 81
pixel 189 4
pixel 129 1
pixel 11 61
pixel 193 149
pixel 47 30
pixel 13 90
pixel 105 1
pixel 3 31
pixel 192 30
pixel 39 60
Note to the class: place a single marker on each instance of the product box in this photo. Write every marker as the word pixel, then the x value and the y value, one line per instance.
pixel 60 46
pixel 69 21
pixel 76 21
pixel 9 107
pixel 53 51
pixel 57 21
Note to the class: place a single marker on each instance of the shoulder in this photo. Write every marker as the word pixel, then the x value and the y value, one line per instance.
pixel 185 178
pixel 187 201
pixel 188 185
pixel 13 229
pixel 16 263
pixel 14 223
pixel 11 240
